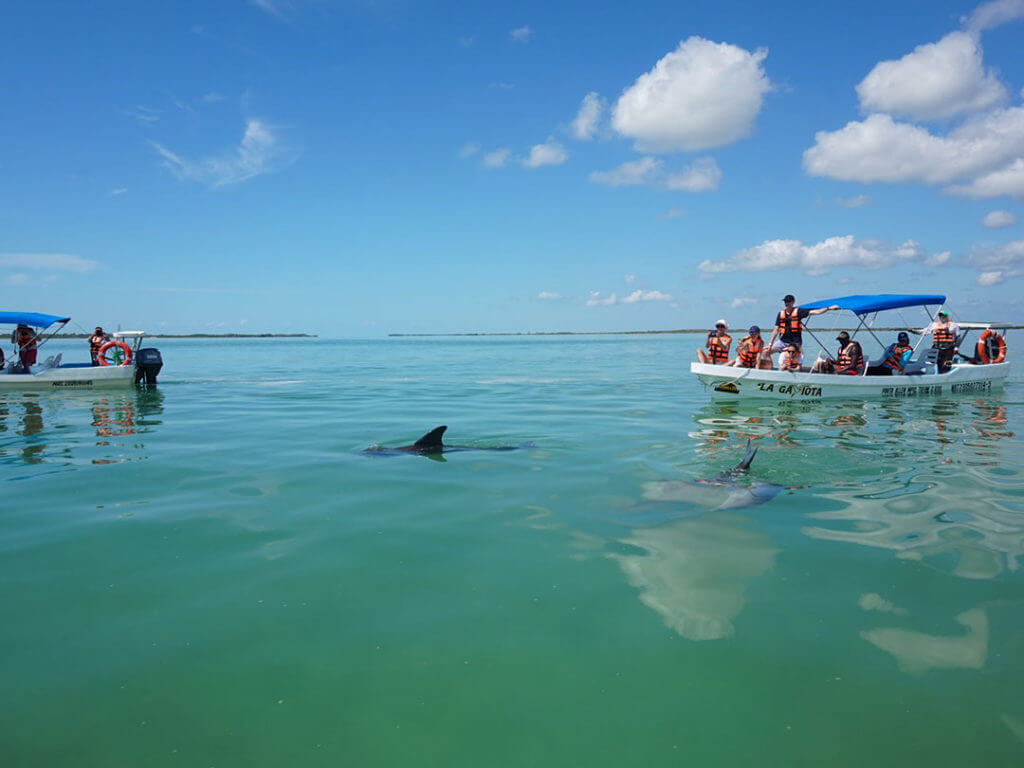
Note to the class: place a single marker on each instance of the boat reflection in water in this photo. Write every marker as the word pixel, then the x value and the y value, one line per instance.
pixel 42 428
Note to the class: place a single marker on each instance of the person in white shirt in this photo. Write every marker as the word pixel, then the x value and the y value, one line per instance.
pixel 944 337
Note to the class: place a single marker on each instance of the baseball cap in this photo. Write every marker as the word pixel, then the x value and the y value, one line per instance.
pixel 843 336
pixel 754 329
pixel 788 297
pixel 903 338
pixel 721 322
pixel 944 313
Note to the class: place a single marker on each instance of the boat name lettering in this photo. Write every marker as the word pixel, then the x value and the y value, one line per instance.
pixel 73 383
pixel 933 389
pixel 793 390
pixel 972 386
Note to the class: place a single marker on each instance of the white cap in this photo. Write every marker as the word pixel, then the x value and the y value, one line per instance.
pixel 722 322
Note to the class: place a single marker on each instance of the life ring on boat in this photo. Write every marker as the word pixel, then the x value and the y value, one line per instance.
pixel 126 351
pixel 991 347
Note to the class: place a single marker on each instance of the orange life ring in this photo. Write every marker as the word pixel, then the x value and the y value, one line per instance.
pixel 101 353
pixel 982 347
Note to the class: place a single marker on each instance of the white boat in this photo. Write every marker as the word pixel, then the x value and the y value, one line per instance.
pixel 125 361
pixel 920 377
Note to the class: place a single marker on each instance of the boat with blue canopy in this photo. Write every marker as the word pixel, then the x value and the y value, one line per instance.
pixel 955 366
pixel 121 360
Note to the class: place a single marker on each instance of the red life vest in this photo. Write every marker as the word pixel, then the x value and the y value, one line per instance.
pixel 750 352
pixel 788 322
pixel 26 339
pixel 95 342
pixel 893 360
pixel 789 363
pixel 942 336
pixel 848 360
pixel 718 348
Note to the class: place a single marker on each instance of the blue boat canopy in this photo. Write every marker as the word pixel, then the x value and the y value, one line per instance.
pixel 32 319
pixel 863 304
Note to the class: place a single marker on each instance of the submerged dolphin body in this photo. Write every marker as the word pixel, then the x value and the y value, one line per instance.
pixel 721 492
pixel 432 445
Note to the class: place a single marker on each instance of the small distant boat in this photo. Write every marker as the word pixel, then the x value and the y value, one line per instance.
pixel 124 361
pixel 920 377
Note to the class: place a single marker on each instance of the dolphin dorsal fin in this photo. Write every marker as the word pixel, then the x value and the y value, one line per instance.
pixel 432 439
pixel 744 465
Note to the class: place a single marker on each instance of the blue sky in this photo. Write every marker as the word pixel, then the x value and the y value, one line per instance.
pixel 358 168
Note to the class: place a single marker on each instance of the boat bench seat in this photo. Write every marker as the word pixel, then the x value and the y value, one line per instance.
pixel 927 363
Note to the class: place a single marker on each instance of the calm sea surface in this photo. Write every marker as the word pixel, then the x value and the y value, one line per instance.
pixel 213 575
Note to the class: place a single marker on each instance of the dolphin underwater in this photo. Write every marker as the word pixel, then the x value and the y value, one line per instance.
pixel 432 445
pixel 720 492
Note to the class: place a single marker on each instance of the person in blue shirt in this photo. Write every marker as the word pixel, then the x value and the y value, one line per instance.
pixel 896 356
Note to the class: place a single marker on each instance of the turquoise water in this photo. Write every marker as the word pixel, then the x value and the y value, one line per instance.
pixel 213 574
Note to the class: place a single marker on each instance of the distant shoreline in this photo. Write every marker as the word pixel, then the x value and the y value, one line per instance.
pixel 204 336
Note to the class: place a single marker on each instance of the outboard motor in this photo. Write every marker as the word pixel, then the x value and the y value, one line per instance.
pixel 147 365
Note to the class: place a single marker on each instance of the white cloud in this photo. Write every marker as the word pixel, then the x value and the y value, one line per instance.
pixel 467 41
pixel 273 7
pixel 937 259
pixel 55 262
pixel 257 153
pixel 742 301
pixel 117 192
pixel 469 149
pixel 999 219
pixel 816 259
pixel 496 159
pixel 521 34
pixel 597 300
pixel 584 125
pixel 629 279
pixel 702 176
pixel 549 295
pixel 549 153
pixel 639 295
pixel 993 14
pixel 1005 181
pixel 935 80
pixel 998 262
pixel 633 172
pixel 701 95
pixel 502 86
pixel 675 213
pixel 211 98
pixel 144 114
pixel 990 278
pixel 858 201
pixel 18 278
pixel 880 149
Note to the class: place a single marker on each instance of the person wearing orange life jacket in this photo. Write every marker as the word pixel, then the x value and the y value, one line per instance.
pixel 25 338
pixel 791 359
pixel 944 337
pixel 895 357
pixel 97 340
pixel 789 324
pixel 849 360
pixel 717 345
pixel 748 351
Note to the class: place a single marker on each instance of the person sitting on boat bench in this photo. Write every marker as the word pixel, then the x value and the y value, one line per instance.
pixel 789 326
pixel 849 360
pixel 748 351
pixel 895 357
pixel 717 344
pixel 791 359
pixel 944 335
pixel 25 338
pixel 97 340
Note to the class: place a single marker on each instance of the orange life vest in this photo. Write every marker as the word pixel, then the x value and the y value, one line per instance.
pixel 788 323
pixel 749 352
pixel 95 342
pixel 26 339
pixel 718 348
pixel 789 363
pixel 942 336
pixel 846 358
pixel 893 360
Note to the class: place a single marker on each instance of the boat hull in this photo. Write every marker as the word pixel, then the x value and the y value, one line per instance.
pixel 754 384
pixel 69 377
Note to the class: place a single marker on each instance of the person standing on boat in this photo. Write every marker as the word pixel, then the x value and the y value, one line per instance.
pixel 896 356
pixel 748 351
pixel 717 345
pixel 25 338
pixel 789 325
pixel 944 335
pixel 97 340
